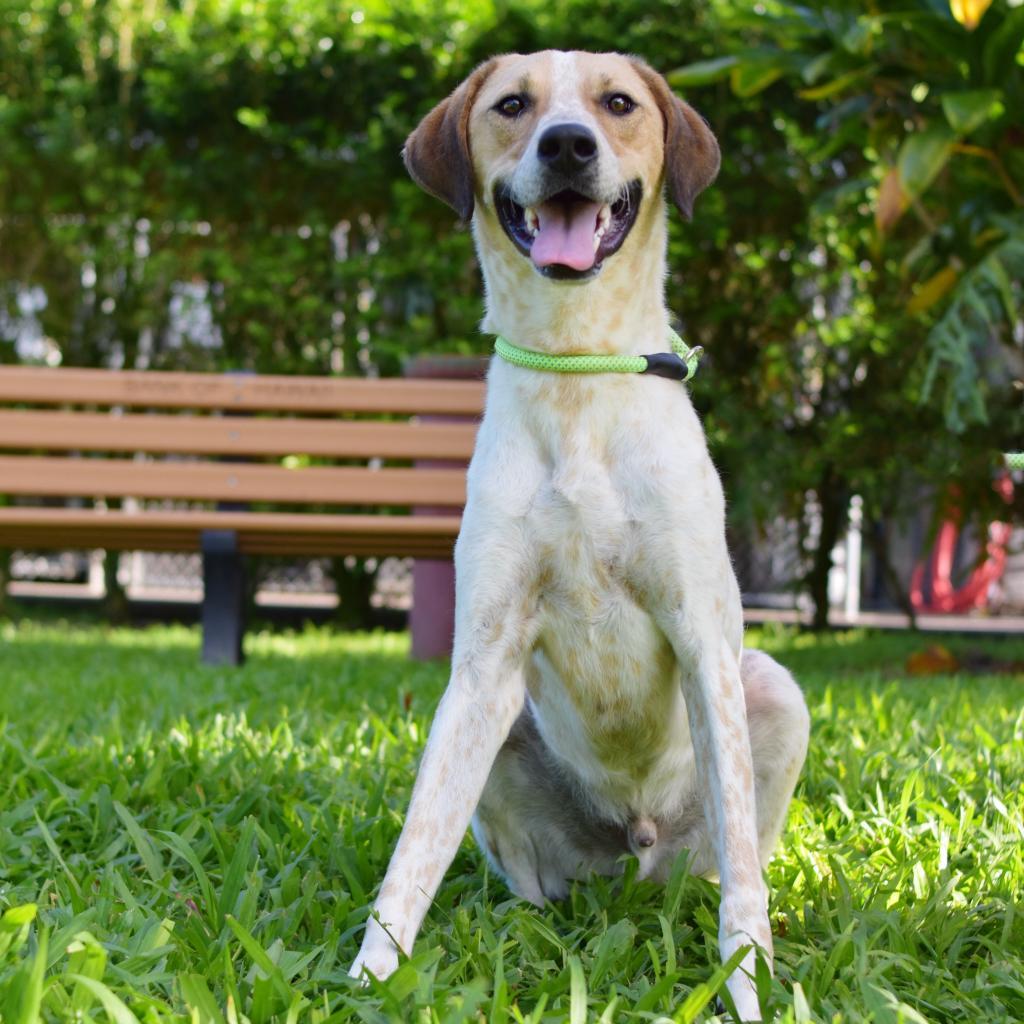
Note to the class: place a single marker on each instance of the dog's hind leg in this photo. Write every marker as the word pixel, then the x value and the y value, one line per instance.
pixel 532 823
pixel 779 731
pixel 778 726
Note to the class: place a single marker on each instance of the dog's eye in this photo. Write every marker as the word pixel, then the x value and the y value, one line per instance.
pixel 511 106
pixel 619 103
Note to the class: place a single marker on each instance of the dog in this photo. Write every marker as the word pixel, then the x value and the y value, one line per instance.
pixel 600 700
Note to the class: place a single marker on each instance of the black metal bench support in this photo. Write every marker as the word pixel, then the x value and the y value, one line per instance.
pixel 223 598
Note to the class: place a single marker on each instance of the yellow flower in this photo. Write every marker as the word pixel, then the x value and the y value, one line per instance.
pixel 969 12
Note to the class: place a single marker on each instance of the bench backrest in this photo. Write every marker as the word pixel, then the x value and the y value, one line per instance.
pixel 145 421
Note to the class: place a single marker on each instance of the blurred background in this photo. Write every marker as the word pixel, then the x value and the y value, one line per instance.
pixel 217 185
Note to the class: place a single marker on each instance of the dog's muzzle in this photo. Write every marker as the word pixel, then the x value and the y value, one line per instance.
pixel 572 230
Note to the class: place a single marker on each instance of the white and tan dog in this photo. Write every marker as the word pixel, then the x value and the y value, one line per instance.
pixel 598 704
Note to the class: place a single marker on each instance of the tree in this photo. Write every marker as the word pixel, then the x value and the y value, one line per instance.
pixel 900 375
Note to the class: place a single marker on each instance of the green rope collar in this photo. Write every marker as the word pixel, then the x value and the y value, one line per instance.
pixel 679 364
pixel 1015 460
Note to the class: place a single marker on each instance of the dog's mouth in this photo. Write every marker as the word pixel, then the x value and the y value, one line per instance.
pixel 569 235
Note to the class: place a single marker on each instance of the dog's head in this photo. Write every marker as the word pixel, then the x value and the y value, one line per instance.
pixel 563 151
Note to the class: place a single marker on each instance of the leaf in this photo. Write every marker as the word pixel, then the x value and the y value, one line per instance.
pixel 577 992
pixel 260 958
pixel 818 66
pixel 751 78
pixel 958 342
pixel 234 876
pixel 16 917
pixel 87 958
pixel 922 156
pixel 820 92
pixel 937 286
pixel 51 845
pixel 116 1009
pixel 968 110
pixel 969 12
pixel 892 201
pixel 935 660
pixel 252 117
pixel 199 998
pixel 179 846
pixel 150 858
pixel 32 986
pixel 705 991
pixel 658 992
pixel 801 1010
pixel 1002 47
pixel 702 72
pixel 613 945
pixel 858 38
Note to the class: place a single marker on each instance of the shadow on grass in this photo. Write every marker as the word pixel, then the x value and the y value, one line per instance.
pixel 877 656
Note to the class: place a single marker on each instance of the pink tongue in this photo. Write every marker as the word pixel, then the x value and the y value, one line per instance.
pixel 566 235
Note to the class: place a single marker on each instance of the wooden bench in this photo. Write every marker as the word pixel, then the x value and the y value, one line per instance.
pixel 159 461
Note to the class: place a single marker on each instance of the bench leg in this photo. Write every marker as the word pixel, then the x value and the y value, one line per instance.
pixel 223 598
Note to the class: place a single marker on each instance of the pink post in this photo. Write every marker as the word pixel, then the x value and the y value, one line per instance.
pixel 432 617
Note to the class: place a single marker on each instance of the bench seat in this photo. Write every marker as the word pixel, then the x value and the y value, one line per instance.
pixel 259 533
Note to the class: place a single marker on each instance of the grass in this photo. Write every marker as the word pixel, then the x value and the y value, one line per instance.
pixel 182 843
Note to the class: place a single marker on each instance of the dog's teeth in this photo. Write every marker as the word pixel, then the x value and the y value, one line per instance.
pixel 604 218
pixel 532 220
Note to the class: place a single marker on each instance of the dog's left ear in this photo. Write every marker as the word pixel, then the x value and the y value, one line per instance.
pixel 692 157
pixel 437 153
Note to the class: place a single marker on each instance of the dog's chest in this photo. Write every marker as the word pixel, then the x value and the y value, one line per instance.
pixel 605 679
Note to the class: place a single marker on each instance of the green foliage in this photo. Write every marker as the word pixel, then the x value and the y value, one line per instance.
pixel 962 339
pixel 927 109
pixel 893 370
pixel 183 843
pixel 240 160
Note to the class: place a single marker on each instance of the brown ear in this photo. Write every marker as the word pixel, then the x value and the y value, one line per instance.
pixel 692 157
pixel 437 153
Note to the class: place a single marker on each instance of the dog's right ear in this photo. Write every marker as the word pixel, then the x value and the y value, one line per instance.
pixel 692 157
pixel 437 153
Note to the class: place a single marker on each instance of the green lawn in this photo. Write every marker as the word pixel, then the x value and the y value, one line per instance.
pixel 184 843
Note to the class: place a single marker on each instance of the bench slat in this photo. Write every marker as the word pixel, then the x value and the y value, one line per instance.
pixel 224 435
pixel 258 532
pixel 40 476
pixel 35 385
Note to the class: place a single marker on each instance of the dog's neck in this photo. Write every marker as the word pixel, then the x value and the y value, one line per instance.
pixel 621 311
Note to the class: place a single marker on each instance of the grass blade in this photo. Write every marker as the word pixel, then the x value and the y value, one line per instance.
pixel 116 1009
pixel 577 992
pixel 143 844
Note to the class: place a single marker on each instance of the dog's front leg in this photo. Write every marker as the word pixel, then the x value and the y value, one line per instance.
pixel 721 740
pixel 484 696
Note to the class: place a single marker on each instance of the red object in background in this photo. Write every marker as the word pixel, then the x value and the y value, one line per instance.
pixel 931 585
pixel 432 616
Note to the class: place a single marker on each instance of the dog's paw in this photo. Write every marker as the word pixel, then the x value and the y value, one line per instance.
pixel 381 963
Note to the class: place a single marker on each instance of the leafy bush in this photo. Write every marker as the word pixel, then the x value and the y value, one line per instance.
pixel 234 167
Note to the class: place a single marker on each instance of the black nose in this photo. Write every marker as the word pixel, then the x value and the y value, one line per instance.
pixel 567 148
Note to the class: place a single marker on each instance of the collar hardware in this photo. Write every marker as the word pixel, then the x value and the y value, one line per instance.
pixel 670 365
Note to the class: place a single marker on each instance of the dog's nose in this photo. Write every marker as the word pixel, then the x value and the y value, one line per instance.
pixel 567 148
